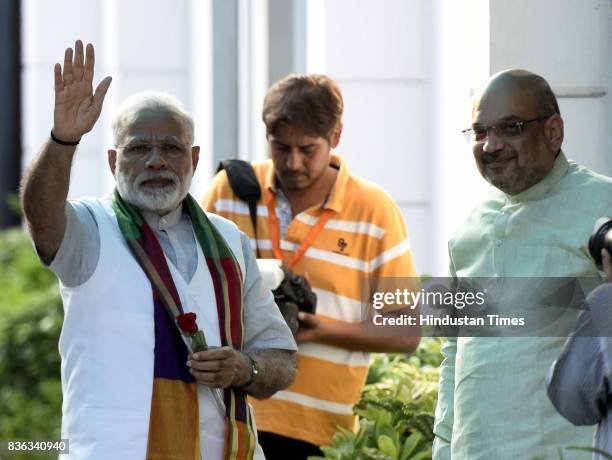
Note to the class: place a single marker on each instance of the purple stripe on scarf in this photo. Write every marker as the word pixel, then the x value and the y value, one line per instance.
pixel 170 350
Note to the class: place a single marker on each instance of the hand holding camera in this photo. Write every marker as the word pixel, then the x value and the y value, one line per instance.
pixel 292 293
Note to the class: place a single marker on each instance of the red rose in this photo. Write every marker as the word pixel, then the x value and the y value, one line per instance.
pixel 187 323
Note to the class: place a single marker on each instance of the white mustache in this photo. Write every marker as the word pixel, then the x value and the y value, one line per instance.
pixel 151 175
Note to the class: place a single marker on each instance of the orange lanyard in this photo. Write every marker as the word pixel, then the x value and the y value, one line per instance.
pixel 274 227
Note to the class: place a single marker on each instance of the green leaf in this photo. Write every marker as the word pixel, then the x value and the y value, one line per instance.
pixel 396 408
pixel 330 452
pixel 426 454
pixel 386 446
pixel 423 422
pixel 30 323
pixel 404 393
pixel 410 445
pixel 385 429
pixel 362 436
pixel 384 418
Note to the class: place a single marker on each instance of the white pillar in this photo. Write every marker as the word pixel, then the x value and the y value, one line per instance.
pixel 569 43
pixel 460 46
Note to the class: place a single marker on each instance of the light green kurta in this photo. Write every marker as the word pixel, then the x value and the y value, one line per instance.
pixel 492 402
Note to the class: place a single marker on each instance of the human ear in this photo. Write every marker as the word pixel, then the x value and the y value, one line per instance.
pixel 553 131
pixel 195 156
pixel 335 137
pixel 111 156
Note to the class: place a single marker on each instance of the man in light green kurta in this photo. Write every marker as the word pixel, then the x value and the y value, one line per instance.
pixel 534 222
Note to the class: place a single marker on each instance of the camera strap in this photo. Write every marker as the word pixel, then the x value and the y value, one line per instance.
pixel 244 184
pixel 274 228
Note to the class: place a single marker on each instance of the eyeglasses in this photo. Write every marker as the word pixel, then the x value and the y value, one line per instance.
pixel 143 149
pixel 505 129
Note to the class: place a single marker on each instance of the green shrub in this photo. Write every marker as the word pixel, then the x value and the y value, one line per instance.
pixel 30 323
pixel 396 409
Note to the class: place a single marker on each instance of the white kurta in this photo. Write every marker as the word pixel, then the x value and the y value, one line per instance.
pixel 107 345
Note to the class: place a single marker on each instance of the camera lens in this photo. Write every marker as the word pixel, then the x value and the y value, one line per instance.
pixel 601 238
pixel 296 280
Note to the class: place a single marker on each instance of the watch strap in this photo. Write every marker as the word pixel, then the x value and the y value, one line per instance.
pixel 254 372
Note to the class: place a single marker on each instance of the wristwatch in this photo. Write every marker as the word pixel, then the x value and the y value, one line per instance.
pixel 254 372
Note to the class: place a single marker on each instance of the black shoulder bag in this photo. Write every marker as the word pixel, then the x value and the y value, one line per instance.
pixel 294 293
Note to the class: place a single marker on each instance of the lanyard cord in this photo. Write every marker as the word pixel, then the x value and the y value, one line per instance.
pixel 274 226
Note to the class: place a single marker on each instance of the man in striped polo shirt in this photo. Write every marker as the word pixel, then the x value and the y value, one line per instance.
pixel 340 230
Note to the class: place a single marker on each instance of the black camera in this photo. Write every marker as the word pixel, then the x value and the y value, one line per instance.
pixel 292 293
pixel 292 296
pixel 601 238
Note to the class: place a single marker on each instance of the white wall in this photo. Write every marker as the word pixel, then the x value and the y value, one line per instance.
pixel 142 44
pixel 378 52
pixel 569 43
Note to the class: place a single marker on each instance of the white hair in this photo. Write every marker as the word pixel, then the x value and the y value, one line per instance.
pixel 129 110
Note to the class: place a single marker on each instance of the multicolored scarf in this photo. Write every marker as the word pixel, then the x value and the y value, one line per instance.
pixel 174 426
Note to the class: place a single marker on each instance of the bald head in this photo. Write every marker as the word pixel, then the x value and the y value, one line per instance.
pixel 520 130
pixel 532 86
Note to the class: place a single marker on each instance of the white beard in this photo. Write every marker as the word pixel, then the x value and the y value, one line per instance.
pixel 160 200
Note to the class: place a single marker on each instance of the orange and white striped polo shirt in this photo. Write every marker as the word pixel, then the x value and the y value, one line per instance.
pixel 364 237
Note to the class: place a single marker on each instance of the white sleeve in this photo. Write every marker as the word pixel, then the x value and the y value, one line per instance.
pixel 264 324
pixel 578 382
pixel 78 254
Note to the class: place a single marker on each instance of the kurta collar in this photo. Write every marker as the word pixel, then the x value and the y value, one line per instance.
pixel 164 222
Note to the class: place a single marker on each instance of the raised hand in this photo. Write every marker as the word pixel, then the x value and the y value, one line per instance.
pixel 77 107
